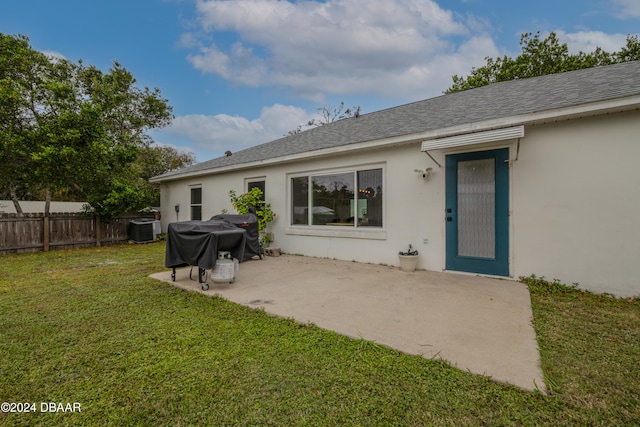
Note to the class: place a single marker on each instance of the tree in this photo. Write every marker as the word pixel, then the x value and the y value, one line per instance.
pixel 329 114
pixel 20 67
pixel 68 127
pixel 155 160
pixel 542 57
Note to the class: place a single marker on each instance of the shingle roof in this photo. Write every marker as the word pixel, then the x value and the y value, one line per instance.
pixel 495 101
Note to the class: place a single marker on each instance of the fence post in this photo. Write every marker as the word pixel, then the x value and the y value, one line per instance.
pixel 46 231
pixel 98 227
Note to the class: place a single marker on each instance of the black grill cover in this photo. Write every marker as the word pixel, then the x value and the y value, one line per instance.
pixel 198 242
pixel 248 222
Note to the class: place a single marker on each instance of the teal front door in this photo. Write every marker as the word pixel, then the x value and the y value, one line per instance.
pixel 477 212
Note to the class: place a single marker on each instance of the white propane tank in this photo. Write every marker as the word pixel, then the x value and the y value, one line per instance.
pixel 224 270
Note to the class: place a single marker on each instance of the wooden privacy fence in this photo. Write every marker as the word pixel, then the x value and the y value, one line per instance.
pixel 37 232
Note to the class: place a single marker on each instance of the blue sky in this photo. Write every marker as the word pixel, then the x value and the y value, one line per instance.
pixel 239 73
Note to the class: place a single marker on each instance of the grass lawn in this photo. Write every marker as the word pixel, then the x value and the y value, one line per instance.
pixel 90 327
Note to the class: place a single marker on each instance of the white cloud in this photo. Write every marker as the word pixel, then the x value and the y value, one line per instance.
pixel 53 54
pixel 401 50
pixel 627 8
pixel 188 40
pixel 239 64
pixel 212 135
pixel 178 148
pixel 588 41
pixel 336 47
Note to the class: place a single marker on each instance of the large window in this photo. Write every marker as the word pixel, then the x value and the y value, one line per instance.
pixel 352 198
pixel 196 203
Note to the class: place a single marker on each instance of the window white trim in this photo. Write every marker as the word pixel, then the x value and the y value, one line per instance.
pixel 254 179
pixel 328 230
pixel 352 233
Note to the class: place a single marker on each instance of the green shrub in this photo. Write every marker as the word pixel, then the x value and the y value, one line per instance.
pixel 253 199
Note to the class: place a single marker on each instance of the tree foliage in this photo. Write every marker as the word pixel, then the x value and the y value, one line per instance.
pixel 71 128
pixel 541 57
pixel 253 199
pixel 155 160
pixel 244 202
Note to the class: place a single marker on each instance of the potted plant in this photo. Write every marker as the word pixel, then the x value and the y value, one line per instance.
pixel 408 259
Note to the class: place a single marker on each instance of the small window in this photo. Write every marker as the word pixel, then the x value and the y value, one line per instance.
pixel 257 184
pixel 196 203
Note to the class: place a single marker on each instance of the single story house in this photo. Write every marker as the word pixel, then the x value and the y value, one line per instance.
pixel 531 176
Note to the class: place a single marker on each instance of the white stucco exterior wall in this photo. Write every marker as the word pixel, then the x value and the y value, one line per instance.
pixel 574 202
pixel 412 206
pixel 409 211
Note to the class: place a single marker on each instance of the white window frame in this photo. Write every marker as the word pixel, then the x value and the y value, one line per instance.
pixel 191 204
pixel 328 230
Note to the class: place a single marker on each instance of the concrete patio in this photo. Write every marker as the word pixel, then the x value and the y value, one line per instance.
pixel 478 324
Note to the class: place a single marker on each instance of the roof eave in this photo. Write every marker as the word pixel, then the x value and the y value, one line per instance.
pixel 546 116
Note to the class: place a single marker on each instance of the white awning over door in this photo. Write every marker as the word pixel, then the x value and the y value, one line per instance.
pixel 474 138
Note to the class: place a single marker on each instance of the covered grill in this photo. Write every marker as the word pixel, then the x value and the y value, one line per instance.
pixel 248 222
pixel 197 243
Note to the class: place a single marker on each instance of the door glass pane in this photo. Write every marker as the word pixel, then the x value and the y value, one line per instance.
pixel 476 208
